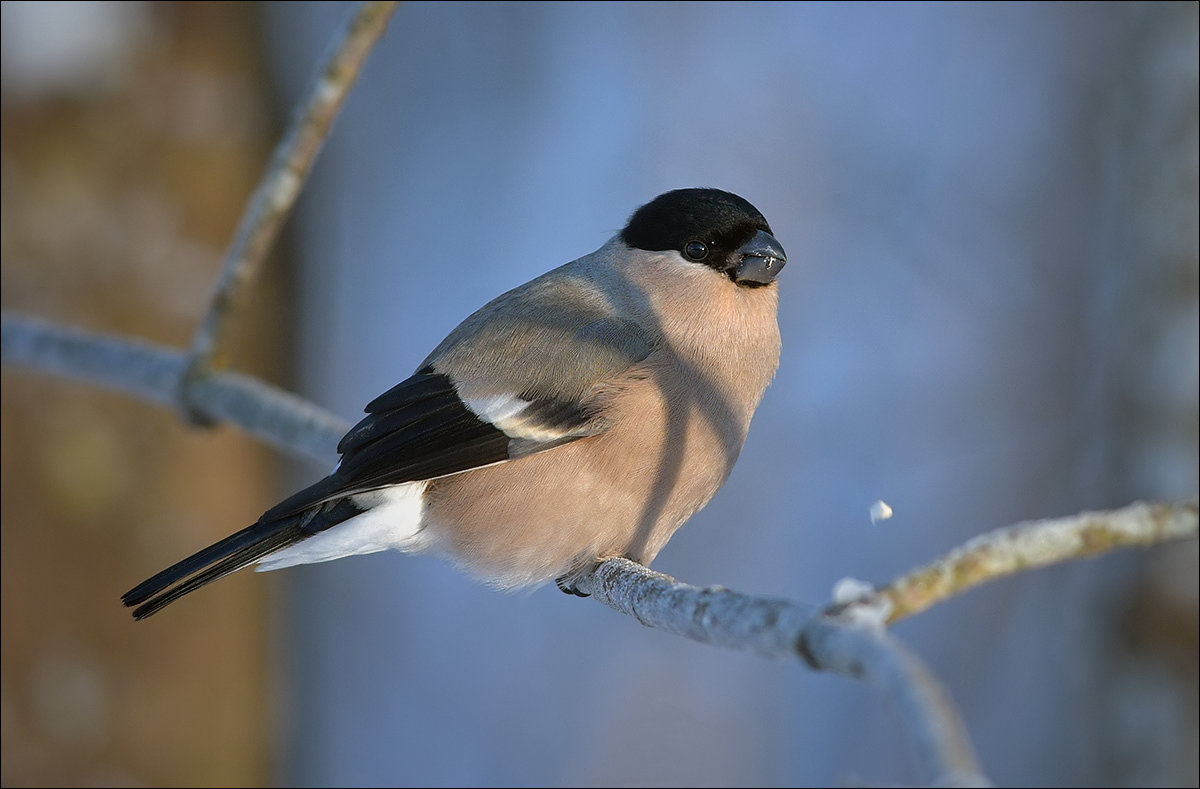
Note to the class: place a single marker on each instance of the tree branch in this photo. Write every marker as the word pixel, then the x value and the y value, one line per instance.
pixel 1026 546
pixel 846 638
pixel 286 174
pixel 152 373
pixel 851 643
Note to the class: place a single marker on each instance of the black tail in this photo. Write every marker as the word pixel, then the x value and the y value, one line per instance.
pixel 216 561
pixel 233 553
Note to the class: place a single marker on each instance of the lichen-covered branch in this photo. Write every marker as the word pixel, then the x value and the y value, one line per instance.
pixel 287 171
pixel 1033 544
pixel 152 373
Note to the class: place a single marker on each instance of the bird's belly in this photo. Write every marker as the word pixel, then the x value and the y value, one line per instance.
pixel 621 493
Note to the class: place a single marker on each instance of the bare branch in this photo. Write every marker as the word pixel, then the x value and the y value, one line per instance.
pixel 1033 544
pixel 853 644
pixel 151 372
pixel 287 171
pixel 847 639
pixel 768 626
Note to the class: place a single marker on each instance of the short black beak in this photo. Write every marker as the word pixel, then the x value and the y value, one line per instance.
pixel 762 260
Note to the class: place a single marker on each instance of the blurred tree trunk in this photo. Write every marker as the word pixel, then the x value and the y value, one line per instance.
pixel 1149 139
pixel 132 134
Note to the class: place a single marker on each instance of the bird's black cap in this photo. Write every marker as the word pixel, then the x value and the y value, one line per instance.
pixel 672 219
pixel 709 226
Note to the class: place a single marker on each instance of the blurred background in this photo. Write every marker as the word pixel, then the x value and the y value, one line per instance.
pixel 990 313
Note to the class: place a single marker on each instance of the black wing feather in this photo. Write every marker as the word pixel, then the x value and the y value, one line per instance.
pixel 422 385
pixel 418 429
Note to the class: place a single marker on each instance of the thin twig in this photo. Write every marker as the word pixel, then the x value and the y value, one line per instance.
pixel 151 372
pixel 1033 544
pixel 930 719
pixel 285 175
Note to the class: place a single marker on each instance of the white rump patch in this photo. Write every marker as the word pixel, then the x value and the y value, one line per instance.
pixel 392 520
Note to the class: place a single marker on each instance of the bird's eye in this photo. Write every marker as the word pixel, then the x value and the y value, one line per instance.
pixel 695 250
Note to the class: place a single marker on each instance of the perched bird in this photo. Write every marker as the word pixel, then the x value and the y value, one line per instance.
pixel 583 415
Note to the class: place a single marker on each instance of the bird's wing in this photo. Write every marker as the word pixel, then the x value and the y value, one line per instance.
pixel 432 424
pixel 428 426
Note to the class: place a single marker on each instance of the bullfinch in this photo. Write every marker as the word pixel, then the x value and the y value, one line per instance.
pixel 583 415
